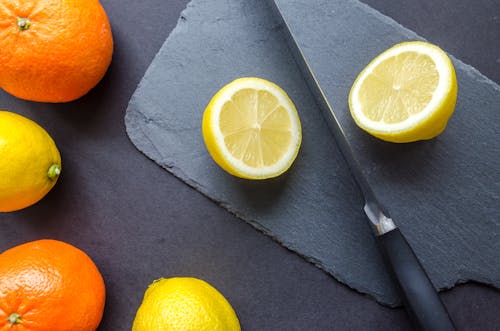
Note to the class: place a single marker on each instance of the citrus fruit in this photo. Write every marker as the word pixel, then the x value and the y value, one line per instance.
pixel 405 94
pixel 48 285
pixel 252 129
pixel 184 304
pixel 53 50
pixel 30 163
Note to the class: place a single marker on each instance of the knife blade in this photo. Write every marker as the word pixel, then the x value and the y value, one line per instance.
pixel 420 298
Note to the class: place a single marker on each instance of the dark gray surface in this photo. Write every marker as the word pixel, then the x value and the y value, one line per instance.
pixel 139 223
pixel 316 209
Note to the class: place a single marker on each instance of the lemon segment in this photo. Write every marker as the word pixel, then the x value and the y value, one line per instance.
pixel 405 94
pixel 252 129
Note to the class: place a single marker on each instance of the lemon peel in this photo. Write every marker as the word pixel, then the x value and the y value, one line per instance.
pixel 30 164
pixel 184 303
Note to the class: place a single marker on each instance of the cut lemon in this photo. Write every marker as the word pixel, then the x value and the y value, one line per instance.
pixel 405 94
pixel 251 129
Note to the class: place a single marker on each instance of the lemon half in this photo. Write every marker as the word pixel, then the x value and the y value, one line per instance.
pixel 252 129
pixel 405 94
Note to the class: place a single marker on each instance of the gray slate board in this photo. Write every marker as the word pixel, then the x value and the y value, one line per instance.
pixel 443 193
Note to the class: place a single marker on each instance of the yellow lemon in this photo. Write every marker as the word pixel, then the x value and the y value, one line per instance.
pixel 184 304
pixel 405 94
pixel 29 162
pixel 252 129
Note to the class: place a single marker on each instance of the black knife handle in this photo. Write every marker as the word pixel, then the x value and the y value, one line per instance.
pixel 420 298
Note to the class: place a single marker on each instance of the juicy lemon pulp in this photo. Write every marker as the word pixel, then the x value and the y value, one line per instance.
pixel 405 94
pixel 256 128
pixel 403 86
pixel 251 129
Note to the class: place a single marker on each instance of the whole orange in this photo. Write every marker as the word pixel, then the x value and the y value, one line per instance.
pixel 53 50
pixel 48 285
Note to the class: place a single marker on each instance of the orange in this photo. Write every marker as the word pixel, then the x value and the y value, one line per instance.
pixel 53 50
pixel 48 285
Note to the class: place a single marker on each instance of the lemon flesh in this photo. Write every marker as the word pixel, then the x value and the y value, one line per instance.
pixel 405 94
pixel 30 162
pixel 184 304
pixel 252 129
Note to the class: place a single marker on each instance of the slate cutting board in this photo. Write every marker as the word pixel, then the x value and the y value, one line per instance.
pixel 446 191
pixel 315 209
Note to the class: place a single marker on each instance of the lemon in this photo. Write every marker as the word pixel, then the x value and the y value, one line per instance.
pixel 252 129
pixel 29 162
pixel 405 94
pixel 184 304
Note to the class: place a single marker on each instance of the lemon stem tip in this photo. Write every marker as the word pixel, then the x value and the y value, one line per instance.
pixel 14 318
pixel 23 23
pixel 54 171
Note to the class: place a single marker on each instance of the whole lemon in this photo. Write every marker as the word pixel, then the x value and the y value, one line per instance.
pixel 184 304
pixel 30 163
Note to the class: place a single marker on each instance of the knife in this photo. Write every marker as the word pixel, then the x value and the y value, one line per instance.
pixel 420 298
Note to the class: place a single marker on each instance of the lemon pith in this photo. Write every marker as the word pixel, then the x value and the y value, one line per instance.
pixel 406 93
pixel 251 129
pixel 30 164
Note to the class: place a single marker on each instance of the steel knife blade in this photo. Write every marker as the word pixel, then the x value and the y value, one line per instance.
pixel 420 298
